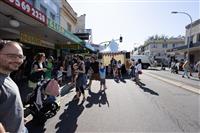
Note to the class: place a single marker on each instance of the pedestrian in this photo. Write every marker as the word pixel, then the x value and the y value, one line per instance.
pixel 133 70
pixel 138 71
pixel 11 107
pixel 38 70
pixel 119 67
pixel 198 68
pixel 191 67
pixel 60 75
pixel 113 63
pixel 81 78
pixel 74 69
pixel 69 72
pixel 49 66
pixel 186 68
pixel 109 70
pixel 128 66
pixel 94 68
pixel 115 72
pixel 102 74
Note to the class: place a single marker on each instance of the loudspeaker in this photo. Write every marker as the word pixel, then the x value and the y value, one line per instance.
pixel 100 56
pixel 128 55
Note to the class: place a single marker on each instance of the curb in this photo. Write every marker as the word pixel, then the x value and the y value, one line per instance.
pixel 176 83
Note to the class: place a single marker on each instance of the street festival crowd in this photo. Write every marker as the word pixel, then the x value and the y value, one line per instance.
pixel 74 70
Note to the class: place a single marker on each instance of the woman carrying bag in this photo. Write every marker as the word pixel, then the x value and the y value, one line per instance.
pixel 38 70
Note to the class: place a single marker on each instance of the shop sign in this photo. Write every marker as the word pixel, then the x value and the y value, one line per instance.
pixel 28 9
pixel 68 46
pixel 26 38
pixel 58 28
pixel 48 44
pixel 30 39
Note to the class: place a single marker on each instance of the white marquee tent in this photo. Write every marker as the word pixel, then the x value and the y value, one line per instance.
pixel 113 47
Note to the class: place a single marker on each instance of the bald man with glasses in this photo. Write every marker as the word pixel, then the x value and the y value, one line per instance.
pixel 11 108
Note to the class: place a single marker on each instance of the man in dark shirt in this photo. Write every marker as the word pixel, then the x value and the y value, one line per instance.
pixel 113 64
pixel 94 68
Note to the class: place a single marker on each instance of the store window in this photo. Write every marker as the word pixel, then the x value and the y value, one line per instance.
pixel 188 39
pixel 198 37
pixel 52 16
pixel 164 45
pixel 43 9
pixel 32 2
pixel 52 4
pixel 69 26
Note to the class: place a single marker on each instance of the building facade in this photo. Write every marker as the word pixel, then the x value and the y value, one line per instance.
pixel 193 46
pixel 68 16
pixel 51 8
pixel 159 48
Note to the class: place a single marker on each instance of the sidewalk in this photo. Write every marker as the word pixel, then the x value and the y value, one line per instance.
pixel 192 84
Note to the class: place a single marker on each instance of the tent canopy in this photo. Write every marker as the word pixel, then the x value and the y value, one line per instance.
pixel 112 47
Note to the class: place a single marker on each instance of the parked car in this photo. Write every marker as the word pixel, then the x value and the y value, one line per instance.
pixel 146 62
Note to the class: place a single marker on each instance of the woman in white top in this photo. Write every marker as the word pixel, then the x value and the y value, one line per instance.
pixel 138 70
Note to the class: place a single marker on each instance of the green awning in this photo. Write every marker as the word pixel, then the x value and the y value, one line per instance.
pixel 58 28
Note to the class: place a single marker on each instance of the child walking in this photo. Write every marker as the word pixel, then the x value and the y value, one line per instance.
pixel 102 73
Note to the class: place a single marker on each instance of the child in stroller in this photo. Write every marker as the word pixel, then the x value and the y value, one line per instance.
pixel 42 103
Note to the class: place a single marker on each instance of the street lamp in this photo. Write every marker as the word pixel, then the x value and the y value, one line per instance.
pixel 189 40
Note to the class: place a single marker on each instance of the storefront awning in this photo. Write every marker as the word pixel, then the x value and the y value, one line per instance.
pixel 89 46
pixel 59 29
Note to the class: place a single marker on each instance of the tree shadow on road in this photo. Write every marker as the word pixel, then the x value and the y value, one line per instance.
pixel 68 120
pixel 145 89
pixel 99 98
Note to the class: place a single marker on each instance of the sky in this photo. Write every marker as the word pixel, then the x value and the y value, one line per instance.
pixel 135 20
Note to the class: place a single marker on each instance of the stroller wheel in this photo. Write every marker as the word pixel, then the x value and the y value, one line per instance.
pixel 55 107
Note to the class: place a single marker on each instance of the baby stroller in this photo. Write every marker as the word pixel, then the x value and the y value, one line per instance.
pixel 42 103
pixel 174 68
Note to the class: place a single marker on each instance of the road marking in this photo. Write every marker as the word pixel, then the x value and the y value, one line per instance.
pixel 176 83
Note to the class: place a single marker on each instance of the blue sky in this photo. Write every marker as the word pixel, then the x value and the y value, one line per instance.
pixel 135 20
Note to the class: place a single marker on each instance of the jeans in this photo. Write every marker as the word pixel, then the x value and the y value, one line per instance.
pixel 185 73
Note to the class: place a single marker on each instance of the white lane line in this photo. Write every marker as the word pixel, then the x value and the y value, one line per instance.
pixel 179 84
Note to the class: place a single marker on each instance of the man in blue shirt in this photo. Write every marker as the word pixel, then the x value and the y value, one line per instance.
pixel 12 113
pixel 102 73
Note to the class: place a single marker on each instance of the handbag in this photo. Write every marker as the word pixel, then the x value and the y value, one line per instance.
pixel 139 72
pixel 36 76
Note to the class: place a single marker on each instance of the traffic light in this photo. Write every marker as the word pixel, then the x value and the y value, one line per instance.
pixel 120 39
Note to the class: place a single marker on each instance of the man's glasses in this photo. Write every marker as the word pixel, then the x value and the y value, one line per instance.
pixel 15 56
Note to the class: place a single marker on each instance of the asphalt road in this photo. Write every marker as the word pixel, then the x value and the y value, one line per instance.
pixel 126 107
